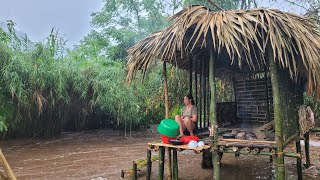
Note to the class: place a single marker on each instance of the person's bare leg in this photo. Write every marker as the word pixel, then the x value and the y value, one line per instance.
pixel 189 125
pixel 181 124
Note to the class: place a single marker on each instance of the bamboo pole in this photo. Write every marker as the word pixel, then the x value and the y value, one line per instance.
pixel 280 171
pixel 267 93
pixel 270 157
pixel 290 139
pixel 169 169
pixel 175 164
pixel 166 94
pixel 149 164
pixel 208 96
pixel 205 94
pixel 165 85
pixel 306 147
pixel 200 95
pixel 299 161
pixel 196 82
pixel 161 163
pixel 314 130
pixel 190 75
pixel 135 173
pixel 6 167
pixel 263 153
pixel 213 117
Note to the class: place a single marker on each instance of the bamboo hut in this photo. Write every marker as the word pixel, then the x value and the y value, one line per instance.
pixel 269 55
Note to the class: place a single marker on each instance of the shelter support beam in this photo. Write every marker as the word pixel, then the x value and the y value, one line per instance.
pixel 149 164
pixel 135 169
pixel 165 85
pixel 169 168
pixel 280 170
pixel 213 118
pixel 299 160
pixel 175 164
pixel 307 149
pixel 161 163
pixel 190 76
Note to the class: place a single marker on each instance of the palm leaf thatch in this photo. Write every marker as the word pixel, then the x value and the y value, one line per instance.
pixel 239 37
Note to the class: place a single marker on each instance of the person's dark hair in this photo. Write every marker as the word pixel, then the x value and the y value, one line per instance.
pixel 189 96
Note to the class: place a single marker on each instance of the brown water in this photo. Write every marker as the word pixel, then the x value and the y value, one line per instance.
pixel 102 155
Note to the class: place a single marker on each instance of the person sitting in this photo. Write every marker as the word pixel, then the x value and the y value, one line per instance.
pixel 188 118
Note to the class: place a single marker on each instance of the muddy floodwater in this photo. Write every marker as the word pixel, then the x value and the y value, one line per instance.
pixel 103 154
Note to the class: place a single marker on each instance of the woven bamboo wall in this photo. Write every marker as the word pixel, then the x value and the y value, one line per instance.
pixel 253 98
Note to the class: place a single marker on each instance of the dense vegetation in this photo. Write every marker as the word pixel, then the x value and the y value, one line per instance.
pixel 47 88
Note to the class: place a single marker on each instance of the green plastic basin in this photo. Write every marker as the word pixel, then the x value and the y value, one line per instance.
pixel 169 127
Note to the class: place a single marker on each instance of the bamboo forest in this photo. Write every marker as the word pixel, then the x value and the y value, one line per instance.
pixel 161 89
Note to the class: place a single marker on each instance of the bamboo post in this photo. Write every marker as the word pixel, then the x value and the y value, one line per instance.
pixel 122 173
pixel 175 164
pixel 169 169
pixel 161 163
pixel 149 164
pixel 165 85
pixel 208 96
pixel 270 157
pixel 200 95
pixel 166 94
pixel 134 169
pixel 280 171
pixel 299 161
pixel 196 82
pixel 267 93
pixel 6 167
pixel 190 75
pixel 306 146
pixel 205 94
pixel 213 117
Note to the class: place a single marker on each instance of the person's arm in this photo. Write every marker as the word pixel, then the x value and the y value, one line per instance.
pixel 182 109
pixel 194 117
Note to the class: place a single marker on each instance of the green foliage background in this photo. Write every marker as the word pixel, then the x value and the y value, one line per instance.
pixel 47 88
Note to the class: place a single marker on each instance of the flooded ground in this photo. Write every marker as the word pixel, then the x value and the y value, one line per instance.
pixel 102 154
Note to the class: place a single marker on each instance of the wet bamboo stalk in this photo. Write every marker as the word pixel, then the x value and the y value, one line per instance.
pixel 290 139
pixel 307 146
pixel 135 173
pixel 204 93
pixel 247 141
pixel 175 164
pixel 6 167
pixel 169 169
pixel 165 85
pixel 299 161
pixel 149 164
pixel 196 82
pixel 280 171
pixel 200 95
pixel 161 163
pixel 314 130
pixel 190 75
pixel 213 117
pixel 263 153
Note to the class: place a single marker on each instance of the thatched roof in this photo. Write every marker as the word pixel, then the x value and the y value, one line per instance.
pixel 239 37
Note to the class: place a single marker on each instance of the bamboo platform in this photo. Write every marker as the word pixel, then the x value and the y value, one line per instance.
pixel 246 143
pixel 162 147
pixel 156 146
